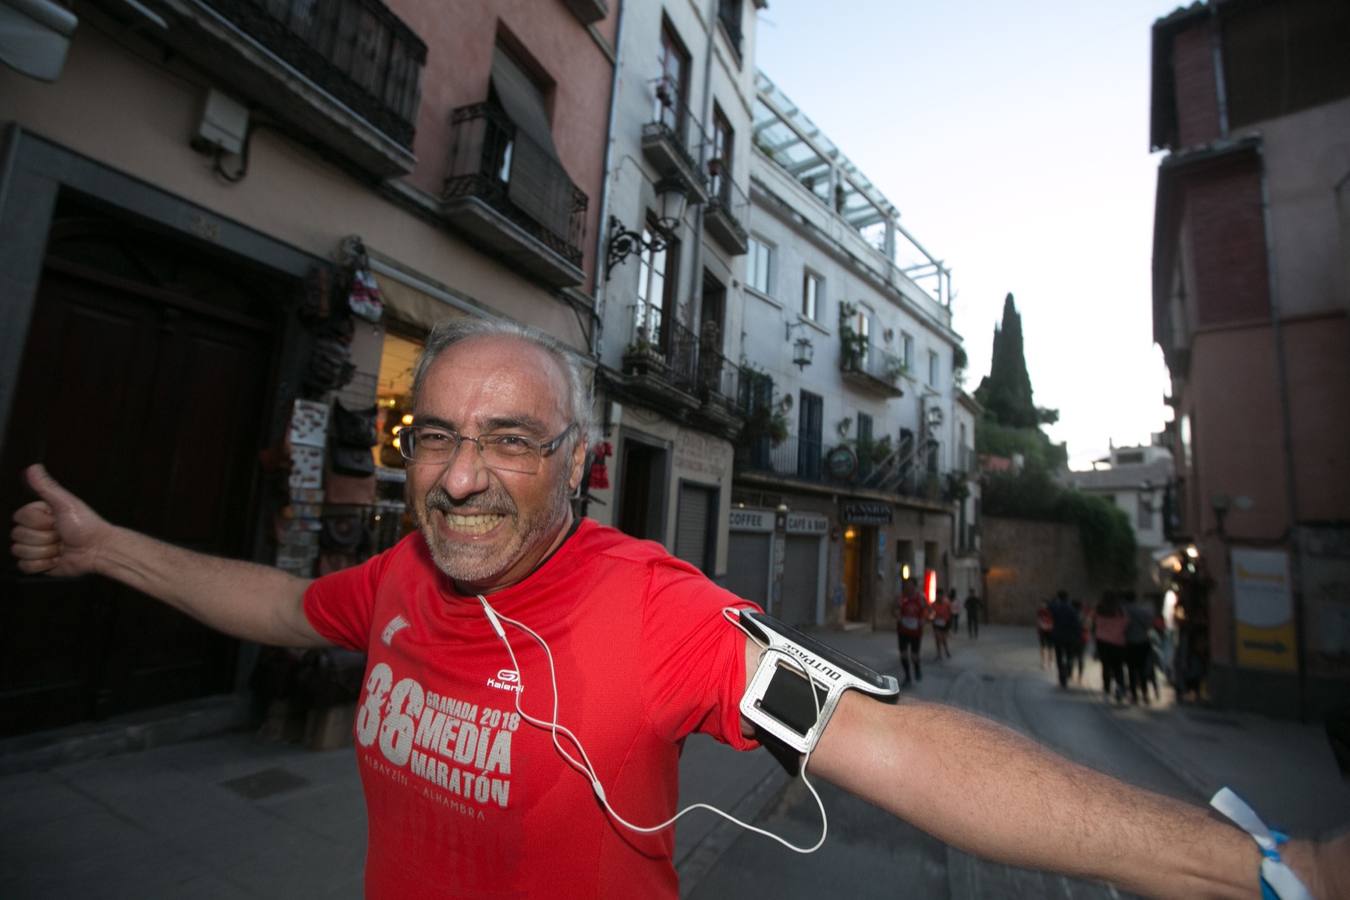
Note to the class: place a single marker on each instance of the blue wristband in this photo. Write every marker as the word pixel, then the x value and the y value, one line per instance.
pixel 1278 881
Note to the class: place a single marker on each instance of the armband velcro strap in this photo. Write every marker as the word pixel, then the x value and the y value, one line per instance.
pixel 782 700
pixel 1278 881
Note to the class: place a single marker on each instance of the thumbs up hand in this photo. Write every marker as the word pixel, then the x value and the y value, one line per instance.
pixel 57 534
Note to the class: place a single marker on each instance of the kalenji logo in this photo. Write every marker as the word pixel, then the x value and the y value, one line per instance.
pixel 506 680
pixel 396 624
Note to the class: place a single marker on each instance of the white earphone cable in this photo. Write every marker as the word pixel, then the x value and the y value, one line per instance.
pixel 583 764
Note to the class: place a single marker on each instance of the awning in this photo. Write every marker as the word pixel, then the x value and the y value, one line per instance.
pixel 537 183
pixel 412 306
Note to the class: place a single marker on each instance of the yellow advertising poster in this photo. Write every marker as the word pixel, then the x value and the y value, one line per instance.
pixel 1263 605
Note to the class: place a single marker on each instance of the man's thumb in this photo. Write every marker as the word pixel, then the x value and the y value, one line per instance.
pixel 46 487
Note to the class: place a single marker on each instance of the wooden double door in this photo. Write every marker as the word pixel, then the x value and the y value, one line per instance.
pixel 149 402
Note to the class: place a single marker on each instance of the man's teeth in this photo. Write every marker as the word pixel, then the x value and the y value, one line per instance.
pixel 478 524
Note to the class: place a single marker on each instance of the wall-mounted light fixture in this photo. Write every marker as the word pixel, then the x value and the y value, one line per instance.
pixel 672 200
pixel 803 351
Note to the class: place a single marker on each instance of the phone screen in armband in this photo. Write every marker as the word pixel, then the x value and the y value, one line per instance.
pixel 788 699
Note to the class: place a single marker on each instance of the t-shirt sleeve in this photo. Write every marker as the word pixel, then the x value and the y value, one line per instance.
pixel 694 674
pixel 341 606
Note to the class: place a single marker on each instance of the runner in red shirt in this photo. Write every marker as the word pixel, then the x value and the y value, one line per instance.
pixel 1045 625
pixel 909 611
pixel 940 614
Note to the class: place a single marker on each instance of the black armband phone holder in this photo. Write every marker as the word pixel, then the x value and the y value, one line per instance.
pixel 778 698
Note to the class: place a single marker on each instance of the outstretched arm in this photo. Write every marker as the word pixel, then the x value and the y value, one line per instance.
pixel 988 790
pixel 59 534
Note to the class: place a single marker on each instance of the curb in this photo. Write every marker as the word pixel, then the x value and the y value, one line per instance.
pixel 700 859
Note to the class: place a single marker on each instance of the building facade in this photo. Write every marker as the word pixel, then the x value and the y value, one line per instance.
pixel 669 378
pixel 852 469
pixel 1135 479
pixel 200 205
pixel 1251 306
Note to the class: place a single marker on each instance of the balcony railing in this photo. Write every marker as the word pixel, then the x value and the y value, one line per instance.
pixel 805 460
pixel 727 211
pixel 662 349
pixel 356 50
pixel 719 379
pixel 966 461
pixel 790 458
pixel 872 367
pixel 503 167
pixel 673 140
pixel 681 349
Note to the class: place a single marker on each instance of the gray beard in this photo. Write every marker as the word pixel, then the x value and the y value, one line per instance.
pixel 477 564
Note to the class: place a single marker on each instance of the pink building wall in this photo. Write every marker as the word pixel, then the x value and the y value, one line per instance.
pixel 460 36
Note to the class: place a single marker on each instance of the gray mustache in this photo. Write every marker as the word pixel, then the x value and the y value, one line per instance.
pixel 493 503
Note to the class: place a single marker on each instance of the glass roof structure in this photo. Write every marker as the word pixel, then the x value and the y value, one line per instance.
pixel 785 134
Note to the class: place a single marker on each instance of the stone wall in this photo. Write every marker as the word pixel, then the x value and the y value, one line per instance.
pixel 1027 562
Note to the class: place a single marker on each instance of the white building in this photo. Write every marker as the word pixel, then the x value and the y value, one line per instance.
pixel 677 180
pixel 848 469
pixel 1134 479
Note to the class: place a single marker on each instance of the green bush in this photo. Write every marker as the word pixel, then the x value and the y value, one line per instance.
pixel 1038 451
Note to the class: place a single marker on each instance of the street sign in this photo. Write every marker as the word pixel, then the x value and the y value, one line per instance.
pixel 1264 609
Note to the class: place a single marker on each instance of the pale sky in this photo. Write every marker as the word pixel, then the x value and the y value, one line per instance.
pixel 1013 138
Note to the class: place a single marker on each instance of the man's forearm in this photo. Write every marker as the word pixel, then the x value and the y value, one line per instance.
pixel 243 599
pixel 983 788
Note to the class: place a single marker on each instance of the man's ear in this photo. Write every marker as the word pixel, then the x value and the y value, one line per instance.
pixel 578 470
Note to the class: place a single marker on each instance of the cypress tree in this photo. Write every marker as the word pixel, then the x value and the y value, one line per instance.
pixel 1006 391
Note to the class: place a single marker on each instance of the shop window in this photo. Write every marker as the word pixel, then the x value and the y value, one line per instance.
pixel 390 520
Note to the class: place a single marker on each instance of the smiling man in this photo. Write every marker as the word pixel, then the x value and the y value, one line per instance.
pixel 628 648
pixel 489 517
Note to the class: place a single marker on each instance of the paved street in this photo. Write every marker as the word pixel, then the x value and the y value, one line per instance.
pixel 232 817
pixel 1284 769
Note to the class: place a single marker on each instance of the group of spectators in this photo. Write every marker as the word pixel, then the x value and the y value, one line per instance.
pixel 913 612
pixel 1123 633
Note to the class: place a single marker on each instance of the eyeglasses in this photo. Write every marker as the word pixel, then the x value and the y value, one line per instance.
pixel 504 452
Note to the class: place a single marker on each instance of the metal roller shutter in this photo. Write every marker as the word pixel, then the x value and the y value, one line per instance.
pixel 748 565
pixel 801 574
pixel 691 526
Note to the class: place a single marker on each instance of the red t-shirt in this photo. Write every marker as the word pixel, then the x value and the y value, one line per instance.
pixel 912 612
pixel 464 798
pixel 1044 621
pixel 942 613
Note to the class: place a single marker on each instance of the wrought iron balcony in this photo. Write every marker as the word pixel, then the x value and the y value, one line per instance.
pixel 810 460
pixel 966 461
pixel 719 380
pixel 507 193
pixel 356 50
pixel 588 11
pixel 873 369
pixel 727 211
pixel 673 141
pixel 347 72
pixel 662 352
pixel 789 458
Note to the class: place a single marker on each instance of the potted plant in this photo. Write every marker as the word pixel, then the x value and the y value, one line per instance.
pixel 853 345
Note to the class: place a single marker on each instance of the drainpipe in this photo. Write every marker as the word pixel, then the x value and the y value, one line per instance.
pixel 602 232
pixel 696 262
pixel 1286 434
pixel 1216 53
